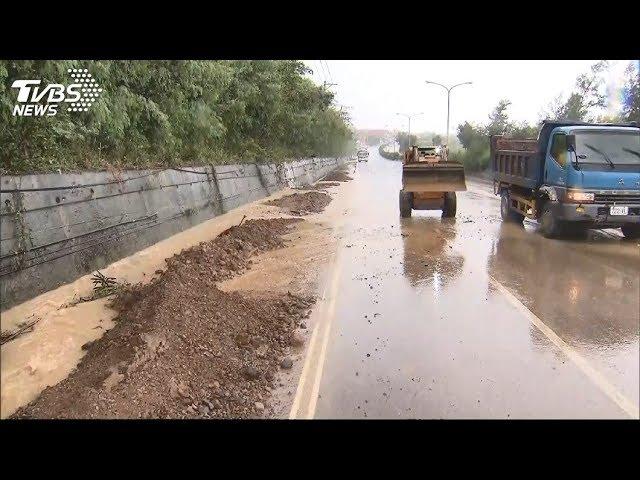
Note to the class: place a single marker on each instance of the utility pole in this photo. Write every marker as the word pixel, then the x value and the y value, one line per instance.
pixel 448 89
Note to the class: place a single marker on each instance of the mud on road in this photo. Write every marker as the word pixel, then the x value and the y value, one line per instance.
pixel 302 203
pixel 183 348
pixel 319 186
pixel 338 176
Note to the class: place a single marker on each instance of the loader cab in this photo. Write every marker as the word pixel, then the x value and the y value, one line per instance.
pixel 429 153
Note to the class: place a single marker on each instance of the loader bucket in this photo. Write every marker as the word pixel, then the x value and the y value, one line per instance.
pixel 433 177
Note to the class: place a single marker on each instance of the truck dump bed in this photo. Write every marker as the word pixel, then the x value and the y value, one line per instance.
pixel 516 161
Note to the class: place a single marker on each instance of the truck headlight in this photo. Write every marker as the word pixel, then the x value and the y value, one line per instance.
pixel 580 197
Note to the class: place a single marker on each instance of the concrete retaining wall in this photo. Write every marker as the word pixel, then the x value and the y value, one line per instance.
pixel 55 228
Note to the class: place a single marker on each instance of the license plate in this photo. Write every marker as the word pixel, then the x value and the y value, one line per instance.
pixel 618 210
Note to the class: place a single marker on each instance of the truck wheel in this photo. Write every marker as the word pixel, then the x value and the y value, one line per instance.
pixel 506 213
pixel 631 231
pixel 550 226
pixel 450 205
pixel 406 203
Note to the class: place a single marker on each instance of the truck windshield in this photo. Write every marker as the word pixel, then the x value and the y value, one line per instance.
pixel 621 148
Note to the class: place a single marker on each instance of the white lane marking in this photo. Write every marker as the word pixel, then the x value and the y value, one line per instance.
pixel 629 407
pixel 595 376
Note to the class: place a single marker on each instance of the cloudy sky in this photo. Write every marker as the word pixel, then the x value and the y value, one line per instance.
pixel 376 89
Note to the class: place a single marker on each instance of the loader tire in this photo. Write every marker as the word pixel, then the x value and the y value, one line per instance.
pixel 449 207
pixel 406 203
pixel 507 214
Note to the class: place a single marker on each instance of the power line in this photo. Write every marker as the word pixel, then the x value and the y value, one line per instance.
pixel 328 70
pixel 320 71
pixel 322 67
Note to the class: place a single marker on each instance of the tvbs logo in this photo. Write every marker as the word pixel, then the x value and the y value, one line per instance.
pixel 38 100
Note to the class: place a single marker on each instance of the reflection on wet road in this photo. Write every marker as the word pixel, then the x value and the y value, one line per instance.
pixel 420 331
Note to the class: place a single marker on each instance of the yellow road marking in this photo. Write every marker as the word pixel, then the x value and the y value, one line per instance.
pixel 305 373
pixel 304 403
pixel 325 340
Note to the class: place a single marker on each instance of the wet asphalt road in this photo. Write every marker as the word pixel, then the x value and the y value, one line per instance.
pixel 433 317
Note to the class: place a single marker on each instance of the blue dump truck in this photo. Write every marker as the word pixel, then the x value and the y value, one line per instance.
pixel 573 177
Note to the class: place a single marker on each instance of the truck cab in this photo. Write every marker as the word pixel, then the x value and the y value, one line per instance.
pixel 579 176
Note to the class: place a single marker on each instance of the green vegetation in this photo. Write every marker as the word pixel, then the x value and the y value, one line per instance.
pixel 389 155
pixel 631 93
pixel 405 140
pixel 587 98
pixel 474 138
pixel 170 113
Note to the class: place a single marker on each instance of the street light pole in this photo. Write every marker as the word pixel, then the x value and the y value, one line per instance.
pixel 409 118
pixel 448 89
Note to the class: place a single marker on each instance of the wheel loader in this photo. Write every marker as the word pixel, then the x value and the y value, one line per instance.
pixel 430 181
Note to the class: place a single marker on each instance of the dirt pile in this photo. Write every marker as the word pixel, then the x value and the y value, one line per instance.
pixel 338 176
pixel 302 203
pixel 182 348
pixel 319 186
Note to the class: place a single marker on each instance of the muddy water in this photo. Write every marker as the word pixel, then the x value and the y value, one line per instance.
pixel 49 353
pixel 421 331
pixel 297 268
pixel 45 356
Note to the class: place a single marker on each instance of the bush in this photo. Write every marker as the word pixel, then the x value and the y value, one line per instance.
pixel 387 154
pixel 475 160
pixel 168 113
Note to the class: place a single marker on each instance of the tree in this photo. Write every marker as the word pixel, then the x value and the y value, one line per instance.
pixel 582 104
pixel 498 119
pixel 590 86
pixel 587 96
pixel 163 113
pixel 553 110
pixel 523 130
pixel 475 138
pixel 405 141
pixel 475 143
pixel 631 93
pixel 467 132
pixel 437 140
